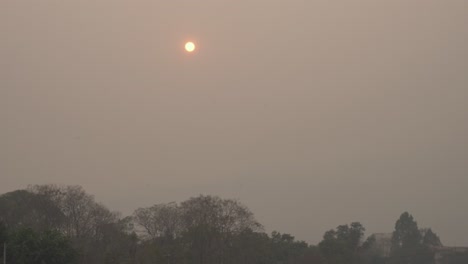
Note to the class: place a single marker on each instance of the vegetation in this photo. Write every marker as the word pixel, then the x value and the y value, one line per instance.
pixel 409 244
pixel 51 224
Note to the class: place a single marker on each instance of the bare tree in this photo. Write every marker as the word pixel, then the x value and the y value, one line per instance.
pixel 159 221
pixel 210 223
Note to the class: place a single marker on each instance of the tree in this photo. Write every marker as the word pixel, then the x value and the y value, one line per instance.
pixel 409 244
pixel 83 216
pixel 311 256
pixel 25 209
pixel 113 244
pixel 204 229
pixel 209 224
pixel 28 246
pixel 159 221
pixel 3 237
pixel 285 249
pixel 342 245
pixel 3 232
pixel 250 247
pixel 429 238
pixel 352 235
pixel 406 235
pixel 52 224
pixel 86 222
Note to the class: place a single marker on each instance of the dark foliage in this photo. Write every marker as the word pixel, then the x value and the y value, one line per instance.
pixel 50 224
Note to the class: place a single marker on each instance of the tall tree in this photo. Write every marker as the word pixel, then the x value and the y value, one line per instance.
pixel 82 214
pixel 342 245
pixel 408 245
pixel 159 221
pixel 25 209
pixel 209 223
pixel 406 235
pixel 429 238
pixel 86 222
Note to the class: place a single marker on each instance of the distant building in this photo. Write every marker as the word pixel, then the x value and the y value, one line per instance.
pixel 383 244
pixel 442 255
pixel 450 255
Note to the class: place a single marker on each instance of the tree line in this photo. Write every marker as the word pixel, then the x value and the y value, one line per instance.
pixel 52 224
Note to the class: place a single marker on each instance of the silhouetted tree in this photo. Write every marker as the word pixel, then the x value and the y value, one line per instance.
pixel 429 238
pixel 25 209
pixel 159 221
pixel 93 229
pixel 408 244
pixel 342 245
pixel 209 223
pixel 285 249
pixel 26 246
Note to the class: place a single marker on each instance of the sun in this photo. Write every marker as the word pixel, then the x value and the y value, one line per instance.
pixel 190 46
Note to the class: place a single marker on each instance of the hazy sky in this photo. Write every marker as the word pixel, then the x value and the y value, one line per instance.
pixel 313 113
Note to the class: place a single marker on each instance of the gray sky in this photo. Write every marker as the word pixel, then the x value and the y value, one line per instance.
pixel 312 113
